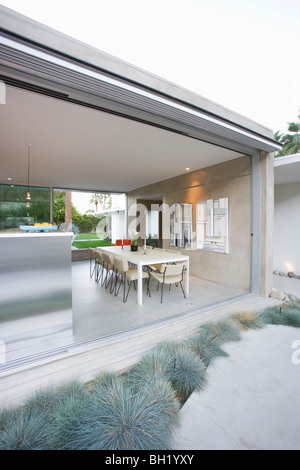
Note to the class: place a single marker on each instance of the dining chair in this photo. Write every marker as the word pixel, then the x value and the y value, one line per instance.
pixel 92 255
pixel 108 265
pixel 125 274
pixel 156 267
pixel 170 274
pixel 99 265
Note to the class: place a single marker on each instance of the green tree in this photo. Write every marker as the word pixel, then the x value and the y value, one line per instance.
pixel 103 199
pixel 58 207
pixel 290 140
pixel 85 222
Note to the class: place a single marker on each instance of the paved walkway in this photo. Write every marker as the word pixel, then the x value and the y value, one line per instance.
pixel 252 398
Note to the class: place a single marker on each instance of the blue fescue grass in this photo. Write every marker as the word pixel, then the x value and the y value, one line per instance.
pixel 119 419
pixel 248 319
pixel 151 368
pixel 207 343
pixel 286 315
pixel 31 425
pixel 183 368
pixel 25 431
pixel 206 347
pixel 65 419
pixel 104 378
pixel 139 409
pixel 46 400
pixel 222 331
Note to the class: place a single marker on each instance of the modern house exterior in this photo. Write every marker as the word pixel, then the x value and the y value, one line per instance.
pixel 95 123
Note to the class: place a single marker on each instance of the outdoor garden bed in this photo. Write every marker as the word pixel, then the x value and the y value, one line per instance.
pixel 136 410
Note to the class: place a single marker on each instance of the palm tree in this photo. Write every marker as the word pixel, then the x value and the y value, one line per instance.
pixel 103 199
pixel 291 140
pixel 96 199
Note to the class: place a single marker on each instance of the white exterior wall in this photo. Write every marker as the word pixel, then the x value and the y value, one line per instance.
pixel 118 228
pixel 287 228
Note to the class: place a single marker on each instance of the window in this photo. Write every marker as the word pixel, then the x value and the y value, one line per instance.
pixel 181 225
pixel 13 206
pixel 212 225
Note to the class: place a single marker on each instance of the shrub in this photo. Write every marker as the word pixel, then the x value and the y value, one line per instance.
pixel 103 379
pixel 46 400
pixel 8 414
pixel 64 421
pixel 207 343
pixel 151 368
pixel 185 371
pixel 57 406
pixel 286 315
pixel 222 331
pixel 119 419
pixel 206 347
pixel 24 431
pixel 248 319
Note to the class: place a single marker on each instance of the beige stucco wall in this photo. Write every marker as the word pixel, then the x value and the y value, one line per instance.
pixel 230 179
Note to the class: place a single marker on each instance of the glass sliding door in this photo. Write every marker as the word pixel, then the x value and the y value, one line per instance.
pixel 13 206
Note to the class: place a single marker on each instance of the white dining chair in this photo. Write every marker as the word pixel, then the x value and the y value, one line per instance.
pixel 168 275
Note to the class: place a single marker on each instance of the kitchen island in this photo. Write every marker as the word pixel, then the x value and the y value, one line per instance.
pixel 35 285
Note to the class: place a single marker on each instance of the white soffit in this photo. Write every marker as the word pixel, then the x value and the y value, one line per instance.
pixel 77 147
pixel 125 97
pixel 287 169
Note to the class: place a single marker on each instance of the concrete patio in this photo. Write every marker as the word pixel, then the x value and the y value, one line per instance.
pixel 252 398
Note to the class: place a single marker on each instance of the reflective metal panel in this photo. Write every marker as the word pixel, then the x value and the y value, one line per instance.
pixel 35 275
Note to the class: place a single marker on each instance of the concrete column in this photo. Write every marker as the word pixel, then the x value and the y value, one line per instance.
pixel 266 222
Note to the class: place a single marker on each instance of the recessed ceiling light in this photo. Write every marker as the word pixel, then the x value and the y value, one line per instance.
pixel 187 168
pixel 9 179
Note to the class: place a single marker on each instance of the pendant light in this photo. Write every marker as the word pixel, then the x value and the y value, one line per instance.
pixel 28 197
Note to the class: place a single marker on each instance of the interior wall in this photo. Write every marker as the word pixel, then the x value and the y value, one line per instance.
pixel 229 179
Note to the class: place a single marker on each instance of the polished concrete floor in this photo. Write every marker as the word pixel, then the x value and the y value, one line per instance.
pixel 98 313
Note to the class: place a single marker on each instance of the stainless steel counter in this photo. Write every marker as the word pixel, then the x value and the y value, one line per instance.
pixel 35 274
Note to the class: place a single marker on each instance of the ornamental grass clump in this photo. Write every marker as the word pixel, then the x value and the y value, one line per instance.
pixel 46 400
pixel 206 347
pixel 285 315
pixel 183 369
pixel 207 344
pixel 222 331
pixel 248 319
pixel 104 378
pixel 151 368
pixel 119 419
pixel 34 426
pixel 24 431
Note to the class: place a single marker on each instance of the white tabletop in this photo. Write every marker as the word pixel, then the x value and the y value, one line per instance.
pixel 151 256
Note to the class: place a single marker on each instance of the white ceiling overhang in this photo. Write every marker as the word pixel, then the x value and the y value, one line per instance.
pixel 91 130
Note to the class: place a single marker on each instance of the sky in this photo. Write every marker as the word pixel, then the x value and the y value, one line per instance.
pixel 242 54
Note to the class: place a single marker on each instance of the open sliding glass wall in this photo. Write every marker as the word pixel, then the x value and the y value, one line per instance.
pixel 16 210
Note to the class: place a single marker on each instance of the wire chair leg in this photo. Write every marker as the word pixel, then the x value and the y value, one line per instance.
pixel 182 290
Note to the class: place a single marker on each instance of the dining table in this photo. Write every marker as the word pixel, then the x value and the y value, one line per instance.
pixel 147 257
